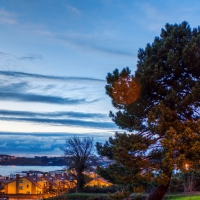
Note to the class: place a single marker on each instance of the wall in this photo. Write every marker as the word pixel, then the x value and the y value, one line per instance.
pixel 23 189
pixel 11 188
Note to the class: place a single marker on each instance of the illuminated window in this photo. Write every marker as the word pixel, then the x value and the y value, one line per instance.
pixel 21 187
pixel 21 181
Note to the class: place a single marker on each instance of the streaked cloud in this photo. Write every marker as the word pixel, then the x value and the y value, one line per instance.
pixel 43 32
pixel 64 122
pixel 13 87
pixel 4 145
pixel 27 87
pixel 30 75
pixel 74 119
pixel 31 57
pixel 3 53
pixel 96 43
pixel 26 137
pixel 7 17
pixel 69 114
pixel 74 10
pixel 46 146
pixel 23 147
pixel 11 96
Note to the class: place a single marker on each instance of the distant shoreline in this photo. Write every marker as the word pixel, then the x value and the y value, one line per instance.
pixel 36 161
pixel 30 165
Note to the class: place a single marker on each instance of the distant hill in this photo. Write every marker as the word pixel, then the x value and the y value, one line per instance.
pixel 46 161
pixel 37 160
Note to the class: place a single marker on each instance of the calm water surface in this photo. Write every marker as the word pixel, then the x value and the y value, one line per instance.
pixel 6 170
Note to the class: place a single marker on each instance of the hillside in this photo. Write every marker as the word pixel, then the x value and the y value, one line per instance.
pixel 38 161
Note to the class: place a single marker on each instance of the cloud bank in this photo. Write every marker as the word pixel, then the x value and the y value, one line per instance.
pixel 27 87
pixel 40 143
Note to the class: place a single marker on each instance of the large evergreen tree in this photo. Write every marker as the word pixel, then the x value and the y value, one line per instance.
pixel 161 114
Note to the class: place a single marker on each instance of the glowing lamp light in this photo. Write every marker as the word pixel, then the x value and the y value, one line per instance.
pixel 186 166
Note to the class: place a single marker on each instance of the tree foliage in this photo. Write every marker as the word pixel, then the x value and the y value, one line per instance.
pixel 78 154
pixel 163 123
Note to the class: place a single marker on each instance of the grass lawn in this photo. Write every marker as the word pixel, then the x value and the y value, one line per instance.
pixel 79 196
pixel 84 194
pixel 195 197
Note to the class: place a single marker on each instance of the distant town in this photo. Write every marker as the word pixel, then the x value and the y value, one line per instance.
pixel 37 184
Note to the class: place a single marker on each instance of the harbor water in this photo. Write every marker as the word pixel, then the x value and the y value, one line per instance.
pixel 6 170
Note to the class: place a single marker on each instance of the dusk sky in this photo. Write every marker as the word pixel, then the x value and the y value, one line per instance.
pixel 54 58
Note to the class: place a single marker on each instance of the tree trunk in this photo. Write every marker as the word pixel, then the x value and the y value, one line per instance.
pixel 78 184
pixel 80 181
pixel 158 193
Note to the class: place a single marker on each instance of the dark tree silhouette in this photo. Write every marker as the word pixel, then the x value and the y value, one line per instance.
pixel 78 154
pixel 162 120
